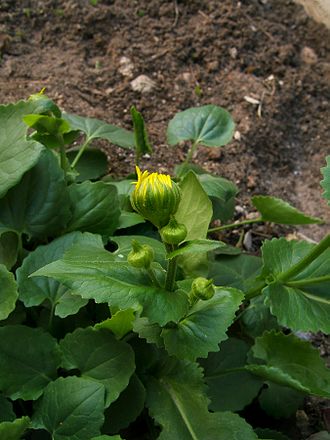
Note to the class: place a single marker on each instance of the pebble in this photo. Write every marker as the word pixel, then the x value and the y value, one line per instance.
pixel 143 84
pixel 126 67
pixel 308 55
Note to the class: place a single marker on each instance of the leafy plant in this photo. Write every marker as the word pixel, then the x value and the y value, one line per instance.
pixel 105 330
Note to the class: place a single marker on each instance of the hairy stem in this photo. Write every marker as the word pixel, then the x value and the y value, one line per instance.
pixel 191 152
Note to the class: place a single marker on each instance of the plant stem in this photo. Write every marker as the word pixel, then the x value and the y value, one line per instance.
pixel 80 153
pixel 191 152
pixel 317 250
pixel 308 281
pixel 255 291
pixel 152 276
pixel 171 274
pixel 51 316
pixel 236 225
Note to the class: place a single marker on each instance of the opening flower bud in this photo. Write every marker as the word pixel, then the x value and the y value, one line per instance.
pixel 202 288
pixel 156 197
pixel 141 256
pixel 173 232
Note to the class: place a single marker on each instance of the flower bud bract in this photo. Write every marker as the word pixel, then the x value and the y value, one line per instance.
pixel 141 256
pixel 202 288
pixel 155 197
pixel 173 232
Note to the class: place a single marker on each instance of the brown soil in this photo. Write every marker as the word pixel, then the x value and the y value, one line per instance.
pixel 196 52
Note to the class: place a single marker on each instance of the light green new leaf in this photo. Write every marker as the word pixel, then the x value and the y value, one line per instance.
pixel 29 359
pixel 96 129
pixel 325 183
pixel 176 400
pixel 71 408
pixel 91 165
pixel 230 390
pixel 17 155
pixel 94 207
pixel 222 193
pixel 142 144
pixel 33 291
pixel 204 327
pixel 278 211
pixel 39 205
pixel 291 362
pixel 280 402
pixel 119 324
pixel 8 292
pixel 15 429
pixel 302 302
pixel 195 208
pixel 100 357
pixel 208 125
pixel 200 246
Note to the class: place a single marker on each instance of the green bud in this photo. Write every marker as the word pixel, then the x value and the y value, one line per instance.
pixel 156 197
pixel 202 288
pixel 173 232
pixel 141 256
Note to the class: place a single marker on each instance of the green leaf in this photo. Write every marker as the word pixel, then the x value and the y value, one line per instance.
pixel 29 359
pixel 17 155
pixel 91 165
pixel 269 434
pixel 39 205
pixel 325 183
pixel 256 318
pixel 195 208
pixel 150 332
pixel 222 193
pixel 124 244
pixel 47 124
pixel 95 208
pixel 230 390
pixel 208 125
pixel 119 324
pixel 280 402
pixel 205 325
pixel 107 437
pixel 6 410
pixel 176 399
pixel 289 361
pixel 197 246
pixel 128 219
pixel 71 408
pixel 15 429
pixel 33 291
pixel 9 243
pixel 238 271
pixel 100 357
pixel 302 302
pixel 126 408
pixel 96 129
pixel 322 435
pixel 277 210
pixel 8 292
pixel 142 144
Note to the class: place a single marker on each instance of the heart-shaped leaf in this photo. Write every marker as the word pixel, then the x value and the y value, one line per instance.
pixel 8 292
pixel 91 165
pixel 15 429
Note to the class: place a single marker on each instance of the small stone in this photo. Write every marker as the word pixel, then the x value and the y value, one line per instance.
pixel 233 52
pixel 143 84
pixel 126 67
pixel 237 135
pixel 308 55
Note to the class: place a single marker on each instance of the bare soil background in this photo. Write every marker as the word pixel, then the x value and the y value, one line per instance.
pixel 194 52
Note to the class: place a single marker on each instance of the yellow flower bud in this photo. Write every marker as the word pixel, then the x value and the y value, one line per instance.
pixel 156 197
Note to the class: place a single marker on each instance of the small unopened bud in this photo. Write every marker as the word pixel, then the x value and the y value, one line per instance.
pixel 173 232
pixel 202 288
pixel 141 256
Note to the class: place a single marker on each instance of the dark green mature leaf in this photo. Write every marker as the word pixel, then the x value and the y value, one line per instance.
pixel 302 302
pixel 89 270
pixel 8 292
pixel 222 193
pixel 322 435
pixel 47 124
pixel 107 437
pixel 39 205
pixel 325 183
pixel 6 410
pixel 33 291
pixel 142 144
pixel 17 155
pixel 277 210
pixel 9 242
pixel 197 246
pixel 126 408
pixel 280 402
pixel 100 357
pixel 124 244
pixel 230 390
pixel 269 434
pixel 204 327
pixel 195 208
pixel 239 271
pixel 208 125
pixel 95 208
pixel 256 318
pixel 92 164
pixel 291 362
pixel 96 129
pixel 150 332
pixel 71 408
pixel 29 359
pixel 15 429
pixel 176 399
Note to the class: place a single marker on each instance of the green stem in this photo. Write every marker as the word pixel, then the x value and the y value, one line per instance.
pixel 152 276
pixel 191 152
pixel 63 158
pixel 80 153
pixel 307 260
pixel 308 281
pixel 171 274
pixel 236 225
pixel 51 316
pixel 256 291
